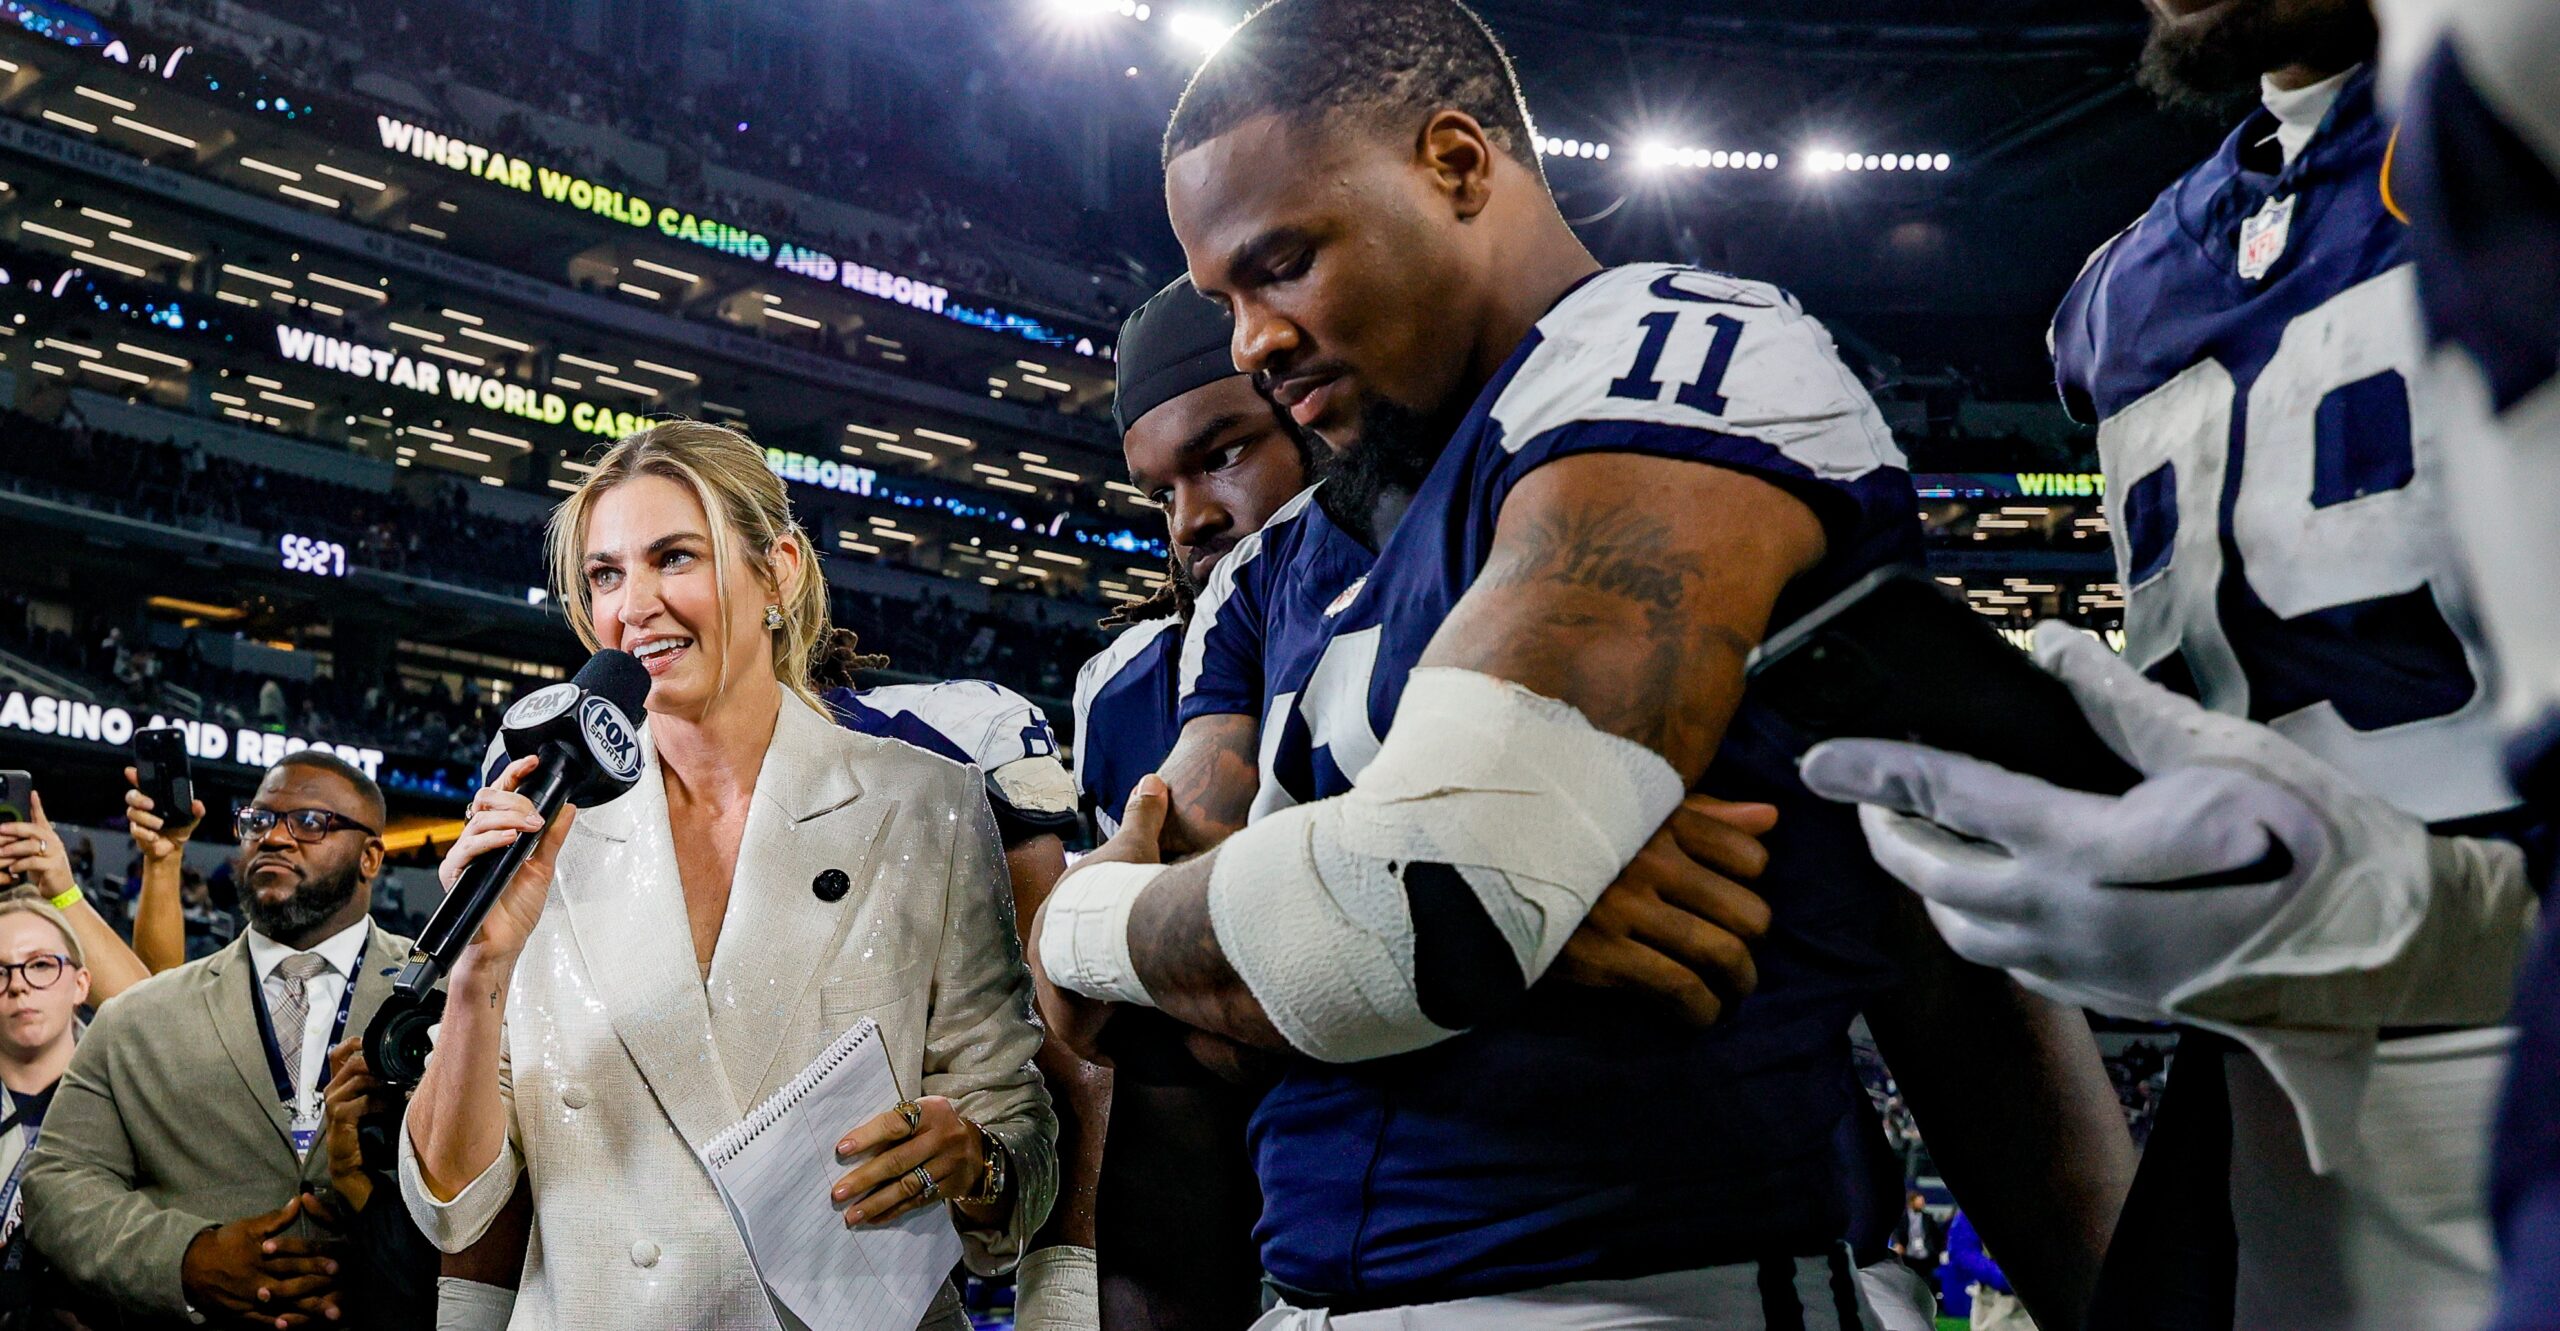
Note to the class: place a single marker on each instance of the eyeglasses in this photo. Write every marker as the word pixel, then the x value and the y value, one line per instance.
pixel 305 825
pixel 40 971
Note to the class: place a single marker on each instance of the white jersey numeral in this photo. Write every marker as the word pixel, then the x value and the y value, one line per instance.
pixel 2303 551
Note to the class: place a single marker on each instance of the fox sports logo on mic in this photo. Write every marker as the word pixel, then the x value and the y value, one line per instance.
pixel 610 739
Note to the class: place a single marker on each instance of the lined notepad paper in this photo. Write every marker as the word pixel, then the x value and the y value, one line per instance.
pixel 775 1168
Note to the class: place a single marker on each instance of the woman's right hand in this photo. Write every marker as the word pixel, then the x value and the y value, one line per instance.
pixel 498 816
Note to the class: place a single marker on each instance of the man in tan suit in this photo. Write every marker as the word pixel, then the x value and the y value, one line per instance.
pixel 186 1172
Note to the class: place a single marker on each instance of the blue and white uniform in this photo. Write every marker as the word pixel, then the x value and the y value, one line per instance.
pixel 2478 171
pixel 1256 636
pixel 2277 491
pixel 1125 723
pixel 972 721
pixel 1587 1135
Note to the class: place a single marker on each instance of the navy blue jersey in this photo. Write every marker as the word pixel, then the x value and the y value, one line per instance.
pixel 1257 636
pixel 2275 490
pixel 1588 1135
pixel 1125 717
pixel 1002 733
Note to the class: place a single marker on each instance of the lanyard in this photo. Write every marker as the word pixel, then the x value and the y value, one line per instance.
pixel 284 1076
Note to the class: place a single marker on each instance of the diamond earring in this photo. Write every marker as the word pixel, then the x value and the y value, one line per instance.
pixel 773 618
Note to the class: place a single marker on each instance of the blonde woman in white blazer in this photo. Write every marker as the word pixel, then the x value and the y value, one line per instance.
pixel 665 961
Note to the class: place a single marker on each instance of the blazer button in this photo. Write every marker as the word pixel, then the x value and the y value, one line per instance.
pixel 644 1253
pixel 574 1095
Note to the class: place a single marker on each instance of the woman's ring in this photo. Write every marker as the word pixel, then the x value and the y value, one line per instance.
pixel 925 1186
pixel 912 1112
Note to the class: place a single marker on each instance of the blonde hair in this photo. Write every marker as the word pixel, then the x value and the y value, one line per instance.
pixel 29 900
pixel 748 511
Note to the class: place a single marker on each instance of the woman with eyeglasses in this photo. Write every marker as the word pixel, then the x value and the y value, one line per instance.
pixel 42 985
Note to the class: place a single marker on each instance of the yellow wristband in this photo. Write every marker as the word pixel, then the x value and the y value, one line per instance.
pixel 69 899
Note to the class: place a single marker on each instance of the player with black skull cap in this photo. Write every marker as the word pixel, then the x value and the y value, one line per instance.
pixel 1177 1199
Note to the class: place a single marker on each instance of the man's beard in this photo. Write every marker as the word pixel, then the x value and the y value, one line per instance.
pixel 1395 451
pixel 315 900
pixel 2214 67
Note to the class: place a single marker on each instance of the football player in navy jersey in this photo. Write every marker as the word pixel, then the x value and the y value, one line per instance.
pixel 1177 1201
pixel 1219 459
pixel 1589 492
pixel 2479 175
pixel 2325 866
pixel 1008 738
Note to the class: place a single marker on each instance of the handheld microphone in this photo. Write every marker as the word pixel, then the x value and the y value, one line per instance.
pixel 590 754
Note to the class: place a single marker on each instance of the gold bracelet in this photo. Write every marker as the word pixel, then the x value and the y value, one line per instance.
pixel 69 899
pixel 999 1161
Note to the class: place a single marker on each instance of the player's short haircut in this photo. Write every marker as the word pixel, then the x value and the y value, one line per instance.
pixel 376 810
pixel 1391 62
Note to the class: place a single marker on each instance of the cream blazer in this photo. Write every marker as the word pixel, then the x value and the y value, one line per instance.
pixel 621 1061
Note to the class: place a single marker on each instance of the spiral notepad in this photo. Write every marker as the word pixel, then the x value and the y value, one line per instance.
pixel 774 1169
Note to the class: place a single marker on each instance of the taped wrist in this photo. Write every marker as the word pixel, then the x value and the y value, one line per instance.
pixel 1084 943
pixel 469 1305
pixel 1429 898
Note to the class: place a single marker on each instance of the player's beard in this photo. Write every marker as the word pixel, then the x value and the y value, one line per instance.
pixel 318 897
pixel 1395 451
pixel 2214 67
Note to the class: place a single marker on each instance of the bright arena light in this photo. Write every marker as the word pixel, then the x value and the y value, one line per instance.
pixel 1824 161
pixel 1128 9
pixel 1582 148
pixel 1654 155
pixel 1199 32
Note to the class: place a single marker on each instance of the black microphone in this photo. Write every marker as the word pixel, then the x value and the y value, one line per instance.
pixel 589 752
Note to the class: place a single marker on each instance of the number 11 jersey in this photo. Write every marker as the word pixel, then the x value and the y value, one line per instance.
pixel 1586 1135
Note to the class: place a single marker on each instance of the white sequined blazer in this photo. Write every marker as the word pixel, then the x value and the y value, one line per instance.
pixel 621 1061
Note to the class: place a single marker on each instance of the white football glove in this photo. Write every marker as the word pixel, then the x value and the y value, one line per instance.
pixel 2245 886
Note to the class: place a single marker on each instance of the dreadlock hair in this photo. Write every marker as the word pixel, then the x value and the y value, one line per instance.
pixel 1389 62
pixel 1173 597
pixel 839 657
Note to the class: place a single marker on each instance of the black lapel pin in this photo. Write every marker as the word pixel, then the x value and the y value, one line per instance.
pixel 831 885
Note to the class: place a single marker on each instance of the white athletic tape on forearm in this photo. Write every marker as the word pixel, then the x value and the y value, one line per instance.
pixel 1084 945
pixel 1536 809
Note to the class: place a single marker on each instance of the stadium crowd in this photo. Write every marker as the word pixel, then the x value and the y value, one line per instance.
pixel 958 226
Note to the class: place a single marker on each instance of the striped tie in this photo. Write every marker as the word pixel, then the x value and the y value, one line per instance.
pixel 295 1008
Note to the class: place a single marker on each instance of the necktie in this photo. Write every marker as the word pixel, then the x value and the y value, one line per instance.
pixel 294 1010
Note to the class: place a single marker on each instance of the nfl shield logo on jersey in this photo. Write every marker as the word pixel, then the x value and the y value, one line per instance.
pixel 1349 594
pixel 2262 238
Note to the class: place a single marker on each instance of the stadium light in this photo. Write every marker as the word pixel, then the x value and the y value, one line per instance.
pixel 1199 32
pixel 1655 155
pixel 1827 161
pixel 1091 9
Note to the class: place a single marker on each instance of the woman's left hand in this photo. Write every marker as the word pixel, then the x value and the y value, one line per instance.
pixel 885 1187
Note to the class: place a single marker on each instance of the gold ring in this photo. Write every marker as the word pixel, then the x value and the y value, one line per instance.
pixel 925 1186
pixel 912 1112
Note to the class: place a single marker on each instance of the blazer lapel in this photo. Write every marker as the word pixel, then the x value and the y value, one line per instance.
pixel 809 816
pixel 234 1014
pixel 625 905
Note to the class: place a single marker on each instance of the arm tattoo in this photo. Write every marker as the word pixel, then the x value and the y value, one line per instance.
pixel 1213 775
pixel 1173 945
pixel 1620 613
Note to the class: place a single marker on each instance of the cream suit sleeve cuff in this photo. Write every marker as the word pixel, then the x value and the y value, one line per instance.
pixel 455 1225
pixel 981 1036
